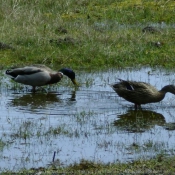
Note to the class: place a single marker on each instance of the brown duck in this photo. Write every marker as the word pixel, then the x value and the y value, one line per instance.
pixel 140 92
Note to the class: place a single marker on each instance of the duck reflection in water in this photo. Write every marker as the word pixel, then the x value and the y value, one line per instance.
pixel 139 121
pixel 40 100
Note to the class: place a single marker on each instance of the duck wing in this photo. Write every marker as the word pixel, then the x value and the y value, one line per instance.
pixel 140 85
pixel 42 66
pixel 28 70
pixel 135 86
pixel 136 92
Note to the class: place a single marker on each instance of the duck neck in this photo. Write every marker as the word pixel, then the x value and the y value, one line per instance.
pixel 166 89
pixel 161 95
pixel 61 73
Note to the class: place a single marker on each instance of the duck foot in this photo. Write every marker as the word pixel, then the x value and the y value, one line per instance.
pixel 39 89
pixel 137 107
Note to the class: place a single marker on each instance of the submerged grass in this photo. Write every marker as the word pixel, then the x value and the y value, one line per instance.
pixel 60 130
pixel 87 34
pixel 2 144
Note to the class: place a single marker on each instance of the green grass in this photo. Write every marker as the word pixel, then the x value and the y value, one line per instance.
pixel 159 165
pixel 106 33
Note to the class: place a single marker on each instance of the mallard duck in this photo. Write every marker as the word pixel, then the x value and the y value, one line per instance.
pixel 39 75
pixel 140 92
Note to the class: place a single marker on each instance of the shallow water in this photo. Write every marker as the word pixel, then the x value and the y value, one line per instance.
pixel 90 122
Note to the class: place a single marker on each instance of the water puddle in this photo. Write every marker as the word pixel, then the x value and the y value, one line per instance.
pixel 90 122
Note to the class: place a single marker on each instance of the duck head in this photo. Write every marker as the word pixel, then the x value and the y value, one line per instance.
pixel 69 73
pixel 169 88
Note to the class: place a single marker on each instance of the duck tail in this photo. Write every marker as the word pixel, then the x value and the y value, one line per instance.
pixel 122 80
pixel 8 72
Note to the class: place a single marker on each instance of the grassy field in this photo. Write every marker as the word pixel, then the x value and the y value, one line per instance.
pixel 158 166
pixel 90 34
pixel 87 34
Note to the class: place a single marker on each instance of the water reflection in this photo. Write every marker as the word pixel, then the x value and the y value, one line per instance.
pixel 33 101
pixel 73 96
pixel 139 121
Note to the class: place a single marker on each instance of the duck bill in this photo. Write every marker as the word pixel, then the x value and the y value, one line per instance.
pixel 74 82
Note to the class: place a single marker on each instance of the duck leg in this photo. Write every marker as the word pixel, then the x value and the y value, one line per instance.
pixel 137 106
pixel 33 89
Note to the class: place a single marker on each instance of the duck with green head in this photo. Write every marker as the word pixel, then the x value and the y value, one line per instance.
pixel 140 92
pixel 39 75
